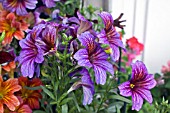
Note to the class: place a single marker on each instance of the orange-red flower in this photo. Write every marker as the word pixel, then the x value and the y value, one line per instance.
pixel 30 97
pixel 14 26
pixel 23 108
pixel 7 97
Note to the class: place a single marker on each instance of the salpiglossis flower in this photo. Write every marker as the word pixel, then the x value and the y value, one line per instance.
pixel 19 6
pixel 138 86
pixel 93 56
pixel 7 97
pixel 30 97
pixel 110 36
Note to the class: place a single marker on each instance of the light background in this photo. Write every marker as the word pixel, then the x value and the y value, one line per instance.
pixel 149 21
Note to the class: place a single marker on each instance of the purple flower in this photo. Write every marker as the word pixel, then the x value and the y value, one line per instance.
pixel 19 6
pixel 86 83
pixel 30 56
pixel 138 86
pixel 110 36
pixel 83 24
pixel 40 41
pixel 50 3
pixel 93 56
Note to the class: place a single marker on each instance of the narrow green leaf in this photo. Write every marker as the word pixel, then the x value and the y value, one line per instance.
pixel 47 92
pixel 66 100
pixel 2 36
pixel 65 108
pixel 75 101
pixel 32 88
pixel 118 97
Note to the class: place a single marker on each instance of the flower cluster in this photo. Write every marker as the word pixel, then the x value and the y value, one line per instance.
pixel 62 52
pixel 166 69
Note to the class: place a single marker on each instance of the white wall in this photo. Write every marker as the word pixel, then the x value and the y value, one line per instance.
pixel 151 27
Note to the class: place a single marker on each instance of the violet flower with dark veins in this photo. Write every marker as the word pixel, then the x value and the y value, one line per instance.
pixel 110 36
pixel 93 56
pixel 19 6
pixel 138 86
pixel 86 83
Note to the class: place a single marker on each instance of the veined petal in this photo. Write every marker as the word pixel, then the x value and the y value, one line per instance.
pixel 103 37
pixel 139 71
pixel 125 89
pixel 115 54
pixel 11 102
pixel 147 83
pixel 83 58
pixel 100 75
pixel 104 64
pixel 88 87
pixel 137 101
pixel 144 93
pixel 107 19
pixel 1 108
pixel 27 68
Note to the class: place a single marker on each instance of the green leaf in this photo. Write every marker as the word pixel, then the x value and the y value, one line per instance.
pixel 32 88
pixel 2 36
pixel 167 85
pixel 39 111
pixel 66 100
pixel 49 93
pixel 118 97
pixel 65 108
pixel 62 97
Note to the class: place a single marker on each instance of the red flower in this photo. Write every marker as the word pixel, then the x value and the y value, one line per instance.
pixel 7 97
pixel 30 97
pixel 135 45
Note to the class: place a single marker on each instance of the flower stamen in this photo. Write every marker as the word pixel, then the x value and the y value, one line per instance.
pixel 132 86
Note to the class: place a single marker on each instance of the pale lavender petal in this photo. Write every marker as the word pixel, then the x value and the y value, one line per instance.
pixel 125 89
pixel 74 20
pixel 84 26
pixel 31 4
pixel 137 101
pixel 100 75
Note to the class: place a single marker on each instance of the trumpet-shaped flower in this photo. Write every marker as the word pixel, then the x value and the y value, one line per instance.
pixel 13 26
pixel 30 97
pixel 86 83
pixel 7 97
pixel 138 86
pixel 93 56
pixel 110 36
pixel 19 6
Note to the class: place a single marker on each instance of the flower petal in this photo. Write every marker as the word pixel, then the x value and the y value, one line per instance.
pixel 27 68
pixel 137 101
pixel 139 71
pixel 83 58
pixel 100 75
pixel 125 89
pixel 107 19
pixel 115 54
pixel 144 93
pixel 148 82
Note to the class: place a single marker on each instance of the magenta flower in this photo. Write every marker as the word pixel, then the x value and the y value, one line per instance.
pixel 19 6
pixel 93 56
pixel 138 86
pixel 110 36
